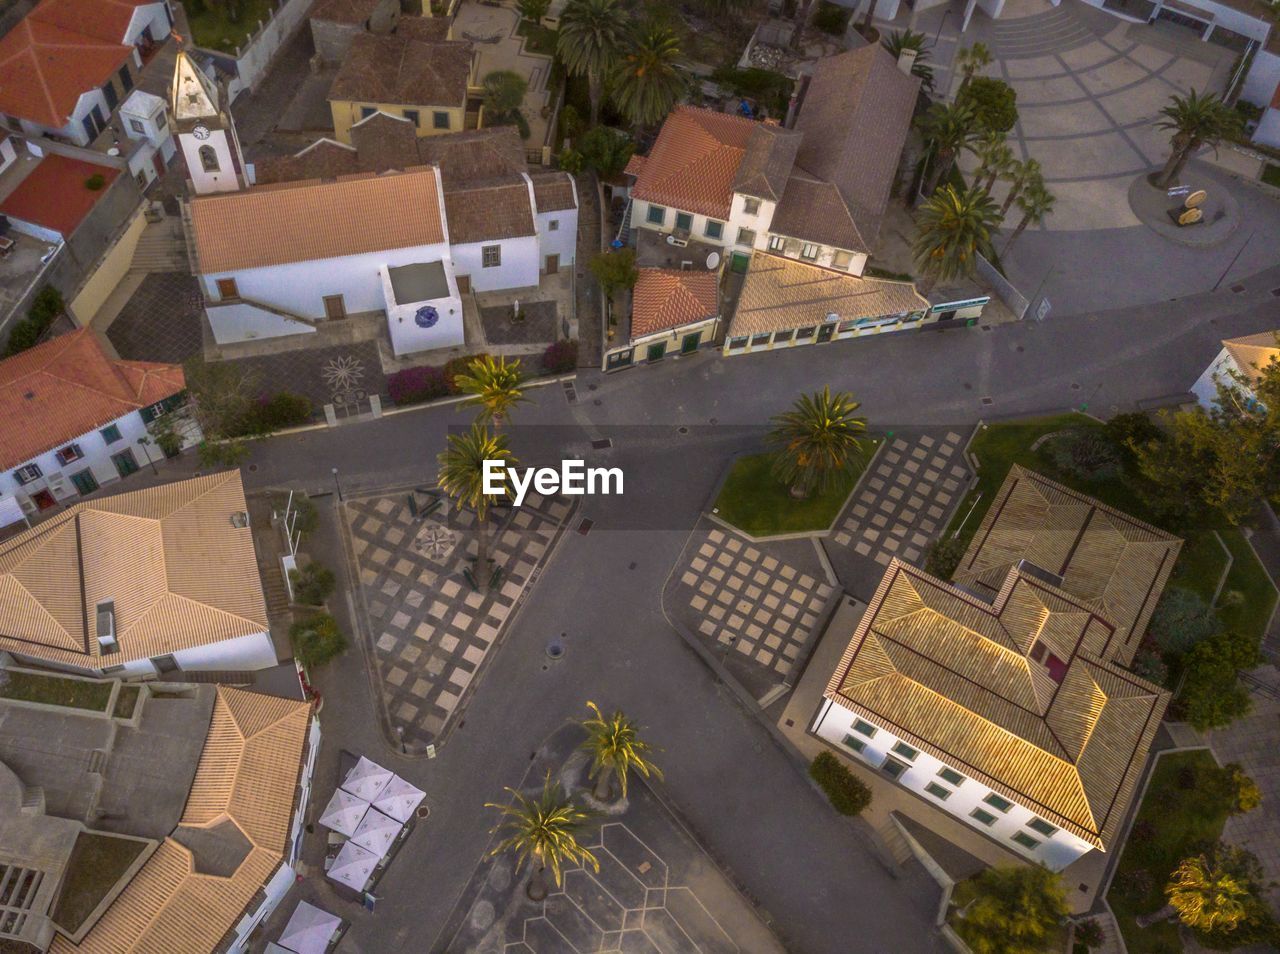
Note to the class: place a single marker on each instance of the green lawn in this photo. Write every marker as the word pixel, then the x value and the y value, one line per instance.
pixel 540 39
pixel 1173 822
pixel 753 500
pixel 56 691
pixel 1271 174
pixel 1248 577
pixel 212 30
pixel 126 702
pixel 1200 564
pixel 96 864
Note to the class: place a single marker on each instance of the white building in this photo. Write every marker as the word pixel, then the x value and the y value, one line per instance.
pixel 1237 365
pixel 205 131
pixel 144 117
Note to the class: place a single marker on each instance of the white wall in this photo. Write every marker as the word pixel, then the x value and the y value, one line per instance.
pixel 1268 131
pixel 758 223
pixel 275 889
pixel 834 722
pixel 225 178
pixel 255 59
pixel 519 268
pixel 407 337
pixel 640 219
pixel 1235 20
pixel 239 321
pixel 255 651
pixel 563 241
pixel 1262 79
pixel 8 154
pixel 1206 388
pixel 152 15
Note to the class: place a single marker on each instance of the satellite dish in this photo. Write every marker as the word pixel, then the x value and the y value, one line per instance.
pixel 1196 198
pixel 713 261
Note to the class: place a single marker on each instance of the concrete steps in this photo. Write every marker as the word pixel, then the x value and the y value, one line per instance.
pixel 162 247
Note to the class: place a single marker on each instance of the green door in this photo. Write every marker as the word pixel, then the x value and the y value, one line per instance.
pixel 691 342
pixel 125 463
pixel 825 332
pixel 85 482
pixel 739 262
pixel 656 352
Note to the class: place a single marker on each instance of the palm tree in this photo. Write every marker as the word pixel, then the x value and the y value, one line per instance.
pixel 544 832
pixel 953 227
pixel 817 441
pixel 901 40
pixel 1196 120
pixel 946 129
pixel 1207 895
pixel 803 12
pixel 503 96
pixel 591 38
pixel 646 82
pixel 462 477
pixel 494 387
pixel 1036 202
pixel 969 61
pixel 1019 175
pixel 616 749
pixel 995 158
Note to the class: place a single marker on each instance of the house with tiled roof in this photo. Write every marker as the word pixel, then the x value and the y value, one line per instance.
pixel 1003 699
pixel 73 418
pixel 336 23
pixel 1239 364
pixel 673 311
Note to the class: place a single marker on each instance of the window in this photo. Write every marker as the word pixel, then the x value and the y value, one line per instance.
pixel 948 775
pixel 656 352
pixel 841 260
pixel 161 122
pixel 209 159
pixel 759 341
pixel 684 221
pixel 737 343
pixel 937 791
pixel 906 751
pixel 865 728
pixel 110 434
pixel 491 256
pixel 780 337
pixel 714 229
pixel 998 803
pixel 366 112
pixel 856 744
pixel 111 669
pixel 657 215
pixel 413 116
pixel 137 126
pixel 227 288
pixel 553 225
pixel 440 120
pixel 892 767
pixel 750 205
pixel 804 333
pixel 69 454
pixel 85 483
pixel 1041 826
pixel 1026 841
pixel 776 242
pixel 982 817
pixel 746 237
pixel 24 475
pixel 809 251
pixel 125 462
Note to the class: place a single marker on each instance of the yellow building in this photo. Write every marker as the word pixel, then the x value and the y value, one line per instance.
pixel 423 81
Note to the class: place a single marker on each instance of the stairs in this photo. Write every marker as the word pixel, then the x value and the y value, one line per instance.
pixel 162 247
pixel 273 588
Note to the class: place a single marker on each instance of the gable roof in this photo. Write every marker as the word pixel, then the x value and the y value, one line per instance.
pixel 694 162
pixel 855 115
pixel 1252 353
pixel 399 69
pixel 483 212
pixel 45 68
pixel 307 221
pixel 1108 561
pixel 554 191
pixel 815 211
pixel 668 298
pixel 103 19
pixel 352 12
pixel 54 195
pixel 179 572
pixel 54 393
pixel 474 156
pixel 767 161
pixel 424 28
pixel 954 676
pixel 323 159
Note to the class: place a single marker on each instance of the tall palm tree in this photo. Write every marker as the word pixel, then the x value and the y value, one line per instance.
pixel 592 36
pixel 616 749
pixel 1020 175
pixel 817 441
pixel 646 82
pixel 494 387
pixel 969 60
pixel 952 228
pixel 995 158
pixel 1208 895
pixel 1036 202
pixel 461 476
pixel 1196 120
pixel 901 40
pixel 545 833
pixel 947 129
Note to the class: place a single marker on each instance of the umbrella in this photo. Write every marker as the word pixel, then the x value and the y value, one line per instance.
pixel 399 799
pixel 343 813
pixel 377 832
pixel 309 930
pixel 367 779
pixel 353 866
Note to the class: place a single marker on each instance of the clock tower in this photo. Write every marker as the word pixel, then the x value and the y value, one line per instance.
pixel 205 131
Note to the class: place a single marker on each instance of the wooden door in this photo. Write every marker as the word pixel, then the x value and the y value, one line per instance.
pixel 553 264
pixel 334 307
pixel 464 284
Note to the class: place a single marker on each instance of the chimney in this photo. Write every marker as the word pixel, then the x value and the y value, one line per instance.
pixel 907 59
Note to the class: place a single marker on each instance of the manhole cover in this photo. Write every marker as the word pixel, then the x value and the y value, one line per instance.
pixel 682 429
pixel 987 402
pixel 714 420
pixel 555 649
pixel 603 444
pixel 1275 292
pixel 423 811
pixel 1075 385
pixel 253 468
pixel 1021 349
pixel 597 402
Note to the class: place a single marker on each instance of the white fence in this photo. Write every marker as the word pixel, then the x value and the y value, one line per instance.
pixel 1013 299
pixel 251 59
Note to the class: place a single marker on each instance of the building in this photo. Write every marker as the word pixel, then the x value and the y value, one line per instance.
pixel 116 856
pixel 73 419
pixel 51 202
pixel 1237 365
pixel 673 311
pixel 206 134
pixel 138 584
pixel 421 81
pixel 145 120
pixel 335 23
pixel 1002 698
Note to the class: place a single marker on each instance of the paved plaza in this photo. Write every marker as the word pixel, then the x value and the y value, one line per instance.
pixel 430 632
pixel 161 320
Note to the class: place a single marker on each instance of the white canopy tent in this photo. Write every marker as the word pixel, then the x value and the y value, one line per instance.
pixel 353 866
pixel 344 812
pixel 367 779
pixel 399 799
pixel 377 832
pixel 310 929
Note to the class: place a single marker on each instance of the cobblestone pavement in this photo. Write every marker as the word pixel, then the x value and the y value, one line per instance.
pixel 161 320
pixel 344 375
pixel 430 632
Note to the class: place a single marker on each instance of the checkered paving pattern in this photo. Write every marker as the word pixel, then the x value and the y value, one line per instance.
pixel 903 502
pixel 431 632
pixel 762 607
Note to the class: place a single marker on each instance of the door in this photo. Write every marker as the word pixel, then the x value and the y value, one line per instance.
pixel 159 163
pixel 44 500
pixel 553 264
pixel 619 359
pixel 334 307
pixel 825 332
pixel 125 462
pixel 656 352
pixel 109 91
pixel 165 664
pixel 126 78
pixel 85 482
pixel 464 284
pixel 227 288
pixel 691 342
pixel 738 263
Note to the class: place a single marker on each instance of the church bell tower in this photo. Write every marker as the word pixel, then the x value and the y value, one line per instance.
pixel 205 131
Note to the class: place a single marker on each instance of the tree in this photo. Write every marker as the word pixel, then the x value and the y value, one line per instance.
pixel 969 60
pixel 953 227
pixel 606 151
pixel 1195 120
pixel 1211 696
pixel 494 388
pixel 615 271
pixel 543 832
pixel 461 476
pixel 901 40
pixel 994 159
pixel 223 394
pixel 616 749
pixel 503 96
pixel 1021 175
pixel 819 439
pixel 312 584
pixel 1036 203
pixel 533 10
pixel 1211 893
pixel 943 555
pixel 994 103
pixel 848 795
pixel 1182 619
pixel 316 640
pixel 591 39
pixel 647 82
pixel 1010 910
pixel 946 129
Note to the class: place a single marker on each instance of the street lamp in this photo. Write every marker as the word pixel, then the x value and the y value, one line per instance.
pixel 143 442
pixel 337 484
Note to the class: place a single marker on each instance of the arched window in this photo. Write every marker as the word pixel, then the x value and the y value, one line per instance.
pixel 209 159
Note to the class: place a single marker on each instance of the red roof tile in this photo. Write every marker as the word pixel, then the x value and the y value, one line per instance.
pixel 44 69
pixel 105 19
pixel 54 194
pixel 667 298
pixel 57 391
pixel 693 164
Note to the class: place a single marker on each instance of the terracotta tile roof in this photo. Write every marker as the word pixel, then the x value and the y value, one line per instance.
pixel 351 12
pixel 384 142
pixel 815 211
pixel 766 164
pixel 553 191
pixel 480 155
pixel 248 777
pixel 54 194
pixel 855 115
pixel 694 161
pixel 480 213
pixel 103 19
pixel 781 293
pixel 432 29
pixel 307 221
pixel 1108 561
pixel 667 298
pixel 179 572
pixel 1253 352
pixel 44 69
pixel 56 392
pixel 397 69
pixel 953 676
pixel 323 159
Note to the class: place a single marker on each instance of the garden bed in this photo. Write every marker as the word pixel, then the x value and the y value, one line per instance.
pixel 211 29
pixel 537 38
pixel 55 690
pixel 97 862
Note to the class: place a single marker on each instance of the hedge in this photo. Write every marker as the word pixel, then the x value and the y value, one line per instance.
pixel 45 309
pixel 273 412
pixel 561 357
pixel 847 795
pixel 316 639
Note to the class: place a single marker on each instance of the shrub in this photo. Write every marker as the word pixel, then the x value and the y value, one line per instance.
pixel 307 518
pixel 606 150
pixel 1211 695
pixel 312 584
pixel 533 10
pixel 831 18
pixel 95 182
pixel 772 90
pixel 1246 795
pixel 456 366
pixel 1089 933
pixel 561 357
pixel 847 795
pixel 418 384
pixel 1129 430
pixel 24 334
pixel 1181 620
pixel 316 639
pixel 994 102
pixel 1149 664
pixel 271 413
pixel 943 556
pixel 45 308
pixel 226 453
pixel 1085 453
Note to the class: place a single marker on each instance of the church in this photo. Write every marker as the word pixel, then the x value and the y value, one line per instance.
pixel 390 223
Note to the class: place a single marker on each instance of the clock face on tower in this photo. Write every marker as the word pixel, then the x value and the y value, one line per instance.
pixel 201 132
